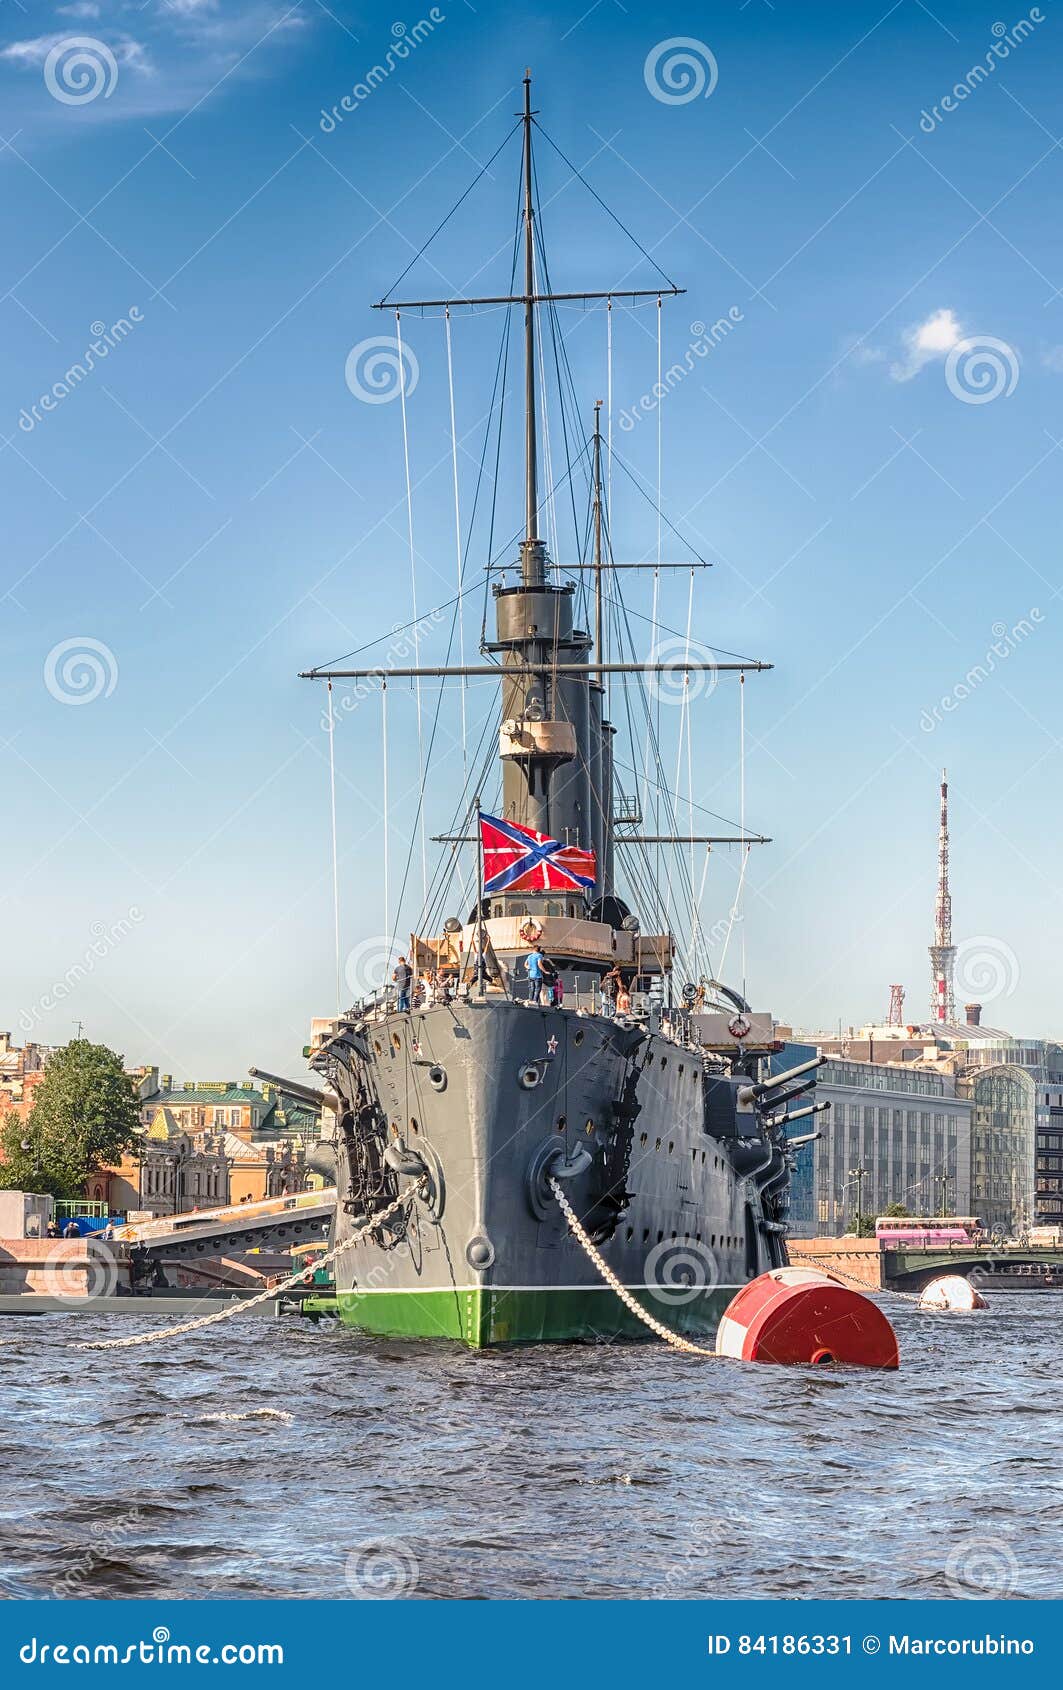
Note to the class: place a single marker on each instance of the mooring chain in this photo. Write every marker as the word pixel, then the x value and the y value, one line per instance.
pixel 622 1292
pixel 861 1285
pixel 244 1304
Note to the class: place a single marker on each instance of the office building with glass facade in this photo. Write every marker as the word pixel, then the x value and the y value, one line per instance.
pixel 894 1134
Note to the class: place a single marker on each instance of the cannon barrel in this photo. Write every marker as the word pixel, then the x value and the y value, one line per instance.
pixel 294 1088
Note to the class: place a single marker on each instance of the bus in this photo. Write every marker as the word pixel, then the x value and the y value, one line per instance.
pixel 922 1231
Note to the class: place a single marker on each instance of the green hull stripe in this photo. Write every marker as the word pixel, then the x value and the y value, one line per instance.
pixel 482 1316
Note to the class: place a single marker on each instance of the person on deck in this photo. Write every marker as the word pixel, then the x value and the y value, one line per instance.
pixel 611 984
pixel 548 977
pixel 402 976
pixel 533 968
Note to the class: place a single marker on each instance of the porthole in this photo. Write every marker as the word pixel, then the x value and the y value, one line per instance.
pixel 579 1037
pixel 414 1128
pixel 645 1235
pixel 660 1238
pixel 671 1145
pixel 396 1041
pixel 657 1146
pixel 378 1047
pixel 437 1077
pixel 642 1140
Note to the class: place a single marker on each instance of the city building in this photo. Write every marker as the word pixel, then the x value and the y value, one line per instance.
pixel 893 1134
pixel 1003 1140
pixel 1048 1159
pixel 21 1072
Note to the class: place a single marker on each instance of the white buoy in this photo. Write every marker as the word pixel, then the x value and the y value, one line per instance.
pixel 952 1291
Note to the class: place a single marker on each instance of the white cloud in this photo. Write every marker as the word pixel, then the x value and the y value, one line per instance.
pixel 35 51
pixel 1053 360
pixel 859 351
pixel 80 9
pixel 925 342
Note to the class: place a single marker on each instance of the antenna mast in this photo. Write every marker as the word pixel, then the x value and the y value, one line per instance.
pixel 943 951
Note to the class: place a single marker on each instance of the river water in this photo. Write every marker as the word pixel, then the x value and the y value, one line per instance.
pixel 268 1458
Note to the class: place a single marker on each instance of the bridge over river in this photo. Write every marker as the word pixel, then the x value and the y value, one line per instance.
pixel 273 1223
pixel 991 1267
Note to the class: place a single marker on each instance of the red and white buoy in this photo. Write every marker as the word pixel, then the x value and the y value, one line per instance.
pixel 795 1315
pixel 952 1291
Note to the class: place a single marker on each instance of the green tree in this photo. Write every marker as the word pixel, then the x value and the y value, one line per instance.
pixel 84 1117
pixel 897 1211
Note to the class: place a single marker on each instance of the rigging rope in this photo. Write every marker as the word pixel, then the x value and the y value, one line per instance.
pixel 387 825
pixel 461 560
pixel 241 1306
pixel 439 226
pixel 335 858
pixel 742 797
pixel 413 590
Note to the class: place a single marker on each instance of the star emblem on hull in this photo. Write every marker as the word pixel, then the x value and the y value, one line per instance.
pixel 551 1046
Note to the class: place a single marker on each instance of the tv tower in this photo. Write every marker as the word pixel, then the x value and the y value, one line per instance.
pixel 943 951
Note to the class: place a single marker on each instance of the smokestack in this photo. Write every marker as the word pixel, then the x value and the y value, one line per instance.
pixel 973 1012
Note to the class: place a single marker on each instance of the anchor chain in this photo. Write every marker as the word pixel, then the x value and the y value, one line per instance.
pixel 262 1296
pixel 840 1273
pixel 622 1292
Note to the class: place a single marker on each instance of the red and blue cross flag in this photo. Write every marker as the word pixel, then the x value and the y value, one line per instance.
pixel 517 859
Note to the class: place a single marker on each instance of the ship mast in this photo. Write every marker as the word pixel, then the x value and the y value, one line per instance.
pixel 599 625
pixel 532 571
pixel 555 743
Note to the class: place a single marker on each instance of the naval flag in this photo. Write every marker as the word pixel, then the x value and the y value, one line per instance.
pixel 517 859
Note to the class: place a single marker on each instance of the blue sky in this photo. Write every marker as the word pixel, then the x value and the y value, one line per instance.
pixel 871 457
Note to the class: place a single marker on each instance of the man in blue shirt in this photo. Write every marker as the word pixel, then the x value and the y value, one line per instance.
pixel 534 969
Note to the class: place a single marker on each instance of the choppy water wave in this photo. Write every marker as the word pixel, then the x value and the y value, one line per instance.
pixel 262 1460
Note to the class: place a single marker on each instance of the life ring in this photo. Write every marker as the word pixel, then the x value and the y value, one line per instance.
pixel 531 932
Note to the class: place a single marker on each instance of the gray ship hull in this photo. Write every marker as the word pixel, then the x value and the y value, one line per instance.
pixel 478 1103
